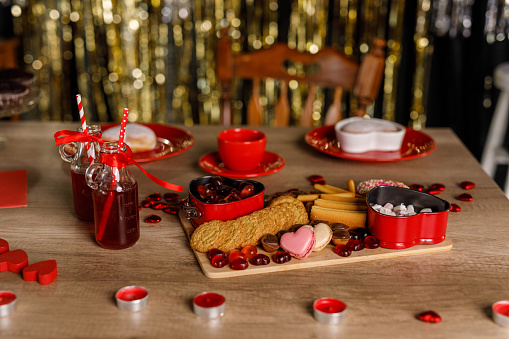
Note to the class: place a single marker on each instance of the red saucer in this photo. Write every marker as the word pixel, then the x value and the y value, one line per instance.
pixel 271 163
pixel 415 145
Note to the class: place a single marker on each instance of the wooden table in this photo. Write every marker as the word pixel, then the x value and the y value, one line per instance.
pixel 383 296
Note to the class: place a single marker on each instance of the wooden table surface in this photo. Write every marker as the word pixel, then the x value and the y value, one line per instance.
pixel 383 296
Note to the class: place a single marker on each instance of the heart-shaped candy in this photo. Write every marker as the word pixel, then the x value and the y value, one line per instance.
pixel 43 271
pixel 4 246
pixel 300 243
pixel 13 261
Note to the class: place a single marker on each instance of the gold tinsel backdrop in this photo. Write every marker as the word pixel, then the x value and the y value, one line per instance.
pixel 156 57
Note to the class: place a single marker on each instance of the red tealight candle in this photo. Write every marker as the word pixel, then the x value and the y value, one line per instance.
pixel 329 310
pixel 501 313
pixel 209 305
pixel 7 303
pixel 132 298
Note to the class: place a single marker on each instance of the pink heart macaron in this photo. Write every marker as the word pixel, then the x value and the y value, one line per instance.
pixel 300 243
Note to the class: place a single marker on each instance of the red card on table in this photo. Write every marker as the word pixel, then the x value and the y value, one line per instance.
pixel 13 188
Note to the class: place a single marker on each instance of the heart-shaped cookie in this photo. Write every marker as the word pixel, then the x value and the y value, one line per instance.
pixel 44 271
pixel 4 246
pixel 13 261
pixel 300 243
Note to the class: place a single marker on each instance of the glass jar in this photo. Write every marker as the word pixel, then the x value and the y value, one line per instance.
pixel 115 197
pixel 76 153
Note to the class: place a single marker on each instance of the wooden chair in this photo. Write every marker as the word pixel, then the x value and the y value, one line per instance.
pixel 333 70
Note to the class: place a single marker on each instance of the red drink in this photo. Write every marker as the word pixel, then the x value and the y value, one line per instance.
pixel 82 194
pixel 121 228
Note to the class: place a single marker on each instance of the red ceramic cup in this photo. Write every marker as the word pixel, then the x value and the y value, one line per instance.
pixel 241 149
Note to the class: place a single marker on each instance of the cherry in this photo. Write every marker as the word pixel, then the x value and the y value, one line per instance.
pixel 246 190
pixel 216 181
pixel 223 190
pixel 155 196
pixel 430 317
pixel 146 203
pixel 205 192
pixel 153 219
pixel 234 195
pixel 371 242
pixel 455 208
pixel 281 257
pixel 219 261
pixel 362 232
pixel 159 206
pixel 467 185
pixel 354 235
pixel 417 187
pixel 239 264
pixel 465 197
pixel 316 179
pixel 173 210
pixel 213 252
pixel 250 251
pixel 355 245
pixel 171 196
pixel 236 254
pixel 259 259
pixel 343 250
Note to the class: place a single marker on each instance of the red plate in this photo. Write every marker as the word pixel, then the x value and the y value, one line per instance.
pixel 271 163
pixel 171 141
pixel 415 145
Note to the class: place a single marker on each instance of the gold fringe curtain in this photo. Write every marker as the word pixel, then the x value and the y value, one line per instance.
pixel 156 57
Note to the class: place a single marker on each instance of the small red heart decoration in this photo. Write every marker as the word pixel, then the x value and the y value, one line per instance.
pixel 430 317
pixel 465 197
pixel 13 261
pixel 455 208
pixel 4 246
pixel 43 271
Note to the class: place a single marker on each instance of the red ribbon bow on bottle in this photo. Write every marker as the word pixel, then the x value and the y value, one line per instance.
pixel 119 160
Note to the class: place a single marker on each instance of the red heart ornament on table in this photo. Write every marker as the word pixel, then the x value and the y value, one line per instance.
pixel 430 317
pixel 13 261
pixel 299 244
pixel 4 246
pixel 43 271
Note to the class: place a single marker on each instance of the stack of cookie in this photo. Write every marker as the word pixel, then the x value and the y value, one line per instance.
pixel 281 214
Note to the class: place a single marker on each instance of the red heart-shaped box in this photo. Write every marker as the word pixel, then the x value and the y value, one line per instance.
pixel 43 271
pixel 399 232
pixel 199 212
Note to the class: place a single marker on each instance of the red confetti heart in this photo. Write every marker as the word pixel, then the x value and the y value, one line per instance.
pixel 4 246
pixel 155 196
pixel 455 208
pixel 171 196
pixel 417 187
pixel 432 191
pixel 159 206
pixel 153 219
pixel 465 197
pixel 173 210
pixel 430 317
pixel 467 185
pixel 13 261
pixel 316 179
pixel 146 203
pixel 439 187
pixel 43 271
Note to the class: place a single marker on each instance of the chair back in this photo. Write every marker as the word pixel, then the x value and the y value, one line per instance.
pixel 328 68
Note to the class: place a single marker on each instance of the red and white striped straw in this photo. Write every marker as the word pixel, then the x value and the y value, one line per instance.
pixel 90 151
pixel 122 129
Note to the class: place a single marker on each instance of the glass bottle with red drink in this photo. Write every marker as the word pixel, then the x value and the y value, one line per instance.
pixel 115 197
pixel 77 154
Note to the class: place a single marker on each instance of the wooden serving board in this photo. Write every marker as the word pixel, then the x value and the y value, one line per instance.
pixel 325 257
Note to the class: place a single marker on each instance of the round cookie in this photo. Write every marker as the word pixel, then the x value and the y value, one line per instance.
pixel 209 235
